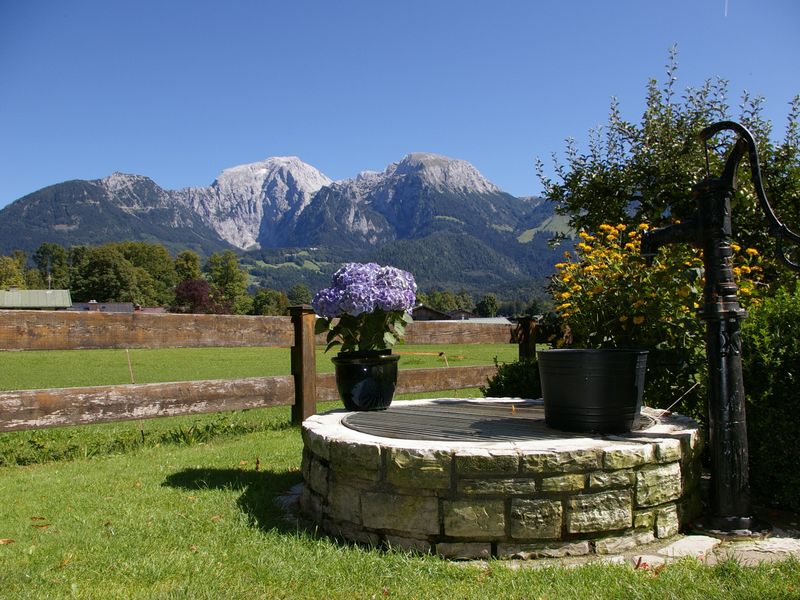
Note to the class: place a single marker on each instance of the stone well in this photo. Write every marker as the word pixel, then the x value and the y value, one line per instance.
pixel 485 477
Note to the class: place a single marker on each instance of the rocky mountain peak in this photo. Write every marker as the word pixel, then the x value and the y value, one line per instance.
pixel 445 173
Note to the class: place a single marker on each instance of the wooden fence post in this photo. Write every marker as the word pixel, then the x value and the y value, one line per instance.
pixel 526 336
pixel 304 363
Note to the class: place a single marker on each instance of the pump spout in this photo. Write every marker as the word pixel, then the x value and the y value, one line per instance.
pixel 686 232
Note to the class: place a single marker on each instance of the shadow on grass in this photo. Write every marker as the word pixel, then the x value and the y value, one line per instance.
pixel 259 490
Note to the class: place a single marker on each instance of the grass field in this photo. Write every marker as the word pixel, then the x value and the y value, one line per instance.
pixel 199 520
pixel 76 368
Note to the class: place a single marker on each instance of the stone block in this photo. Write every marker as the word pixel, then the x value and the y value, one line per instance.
pixel 667 523
pixel 612 479
pixel 668 450
pixel 564 483
pixel 529 551
pixel 311 505
pixel 419 468
pixel 396 542
pixel 535 519
pixel 696 546
pixel 409 514
pixel 477 519
pixel 350 532
pixel 317 476
pixel 658 484
pixel 316 443
pixel 626 457
pixel 616 544
pixel 604 511
pixel 505 487
pixel 644 519
pixel 362 460
pixel 464 551
pixel 344 503
pixel 566 461
pixel 485 462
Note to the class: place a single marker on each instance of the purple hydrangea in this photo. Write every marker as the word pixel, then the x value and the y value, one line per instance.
pixel 359 288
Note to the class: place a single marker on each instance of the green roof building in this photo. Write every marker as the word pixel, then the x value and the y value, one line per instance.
pixel 14 299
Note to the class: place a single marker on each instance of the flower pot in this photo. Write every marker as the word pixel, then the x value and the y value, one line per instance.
pixel 592 390
pixel 366 380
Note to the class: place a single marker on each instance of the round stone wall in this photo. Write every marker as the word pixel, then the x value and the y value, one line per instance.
pixel 553 495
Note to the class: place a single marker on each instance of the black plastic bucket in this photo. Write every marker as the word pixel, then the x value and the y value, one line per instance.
pixel 592 390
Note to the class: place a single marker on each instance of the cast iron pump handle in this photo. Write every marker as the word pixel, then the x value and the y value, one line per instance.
pixel 747 143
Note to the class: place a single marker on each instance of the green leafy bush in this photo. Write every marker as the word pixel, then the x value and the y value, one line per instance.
pixel 771 380
pixel 519 379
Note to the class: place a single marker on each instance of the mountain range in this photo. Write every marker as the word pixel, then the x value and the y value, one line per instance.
pixel 435 216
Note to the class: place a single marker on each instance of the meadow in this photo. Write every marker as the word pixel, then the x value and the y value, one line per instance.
pixel 76 368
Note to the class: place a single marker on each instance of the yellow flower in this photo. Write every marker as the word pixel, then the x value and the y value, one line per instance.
pixel 583 246
pixel 735 247
pixel 630 246
pixel 744 269
pixel 751 251
pixel 564 306
pixel 564 295
pixel 576 288
pixel 623 318
pixel 639 303
pixel 684 291
pixel 567 254
pixel 638 320
pixel 561 265
pixel 605 227
pixel 644 226
pixel 585 236
pixel 621 227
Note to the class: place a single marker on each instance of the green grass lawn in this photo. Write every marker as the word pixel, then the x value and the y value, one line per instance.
pixel 77 368
pixel 197 519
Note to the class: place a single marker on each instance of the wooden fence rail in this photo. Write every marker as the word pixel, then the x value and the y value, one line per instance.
pixel 49 330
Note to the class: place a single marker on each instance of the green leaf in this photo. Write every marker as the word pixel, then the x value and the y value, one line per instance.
pixel 333 344
pixel 389 339
pixel 321 326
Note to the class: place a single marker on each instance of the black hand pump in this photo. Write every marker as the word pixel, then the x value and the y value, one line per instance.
pixel 710 230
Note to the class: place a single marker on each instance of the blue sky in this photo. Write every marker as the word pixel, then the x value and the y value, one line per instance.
pixel 179 90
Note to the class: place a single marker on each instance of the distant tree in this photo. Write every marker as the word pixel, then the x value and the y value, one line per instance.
pixel 157 277
pixel 444 301
pixel 104 275
pixel 34 280
pixel 487 306
pixel 270 302
pixel 229 281
pixel 299 294
pixel 77 257
pixel 52 261
pixel 194 296
pixel 464 300
pixel 187 266
pixel 10 273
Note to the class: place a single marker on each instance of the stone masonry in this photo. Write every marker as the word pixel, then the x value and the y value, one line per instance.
pixel 551 497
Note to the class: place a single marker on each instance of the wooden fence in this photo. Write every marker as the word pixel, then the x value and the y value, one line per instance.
pixel 60 330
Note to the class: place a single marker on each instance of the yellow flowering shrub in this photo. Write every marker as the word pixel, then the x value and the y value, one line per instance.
pixel 607 296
